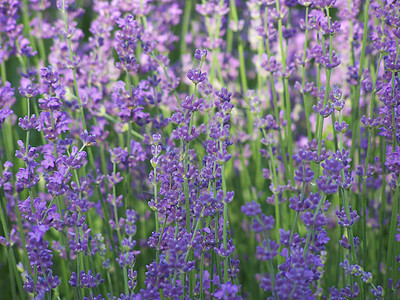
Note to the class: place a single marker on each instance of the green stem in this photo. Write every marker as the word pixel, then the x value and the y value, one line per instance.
pixel 392 232
pixel 71 57
pixel 12 261
pixel 185 26
pixel 287 104
pixel 201 276
pixel 310 232
pixel 242 67
pixel 275 100
pixel 369 149
pixel 303 79
pixel 303 190
pixel 394 130
pixel 356 104
pixel 112 119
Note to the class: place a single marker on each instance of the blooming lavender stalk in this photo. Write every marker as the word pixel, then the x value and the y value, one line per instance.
pixel 63 7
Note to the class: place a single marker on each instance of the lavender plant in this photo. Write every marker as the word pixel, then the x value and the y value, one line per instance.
pixel 200 150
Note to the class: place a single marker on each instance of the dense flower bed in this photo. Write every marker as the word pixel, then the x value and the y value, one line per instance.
pixel 199 150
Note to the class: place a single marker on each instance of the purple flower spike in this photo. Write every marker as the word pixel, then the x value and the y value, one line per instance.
pixel 328 186
pixel 227 291
pixel 196 76
pixel 341 127
pixel 29 91
pixel 87 139
pixel 324 111
pixel 304 174
pixel 344 220
pixel 251 209
pixel 221 251
pixel 190 104
pixel 200 55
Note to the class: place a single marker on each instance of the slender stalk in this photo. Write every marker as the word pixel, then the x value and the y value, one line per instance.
pixel 185 26
pixel 12 261
pixel 128 79
pixel 287 104
pixel 302 195
pixel 242 67
pixel 369 150
pixel 71 58
pixel 328 79
pixel 303 79
pixel 275 100
pixel 356 104
pixel 202 276
pixel 392 232
pixel 394 126
pixel 310 232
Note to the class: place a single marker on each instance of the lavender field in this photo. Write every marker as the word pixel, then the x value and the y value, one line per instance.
pixel 214 149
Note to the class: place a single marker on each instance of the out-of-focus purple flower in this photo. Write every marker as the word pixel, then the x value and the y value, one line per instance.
pixel 7 99
pixel 393 160
pixel 378 292
pixel 118 155
pixel 267 223
pixel 345 293
pixel 267 251
pixel 227 291
pixel 267 123
pixel 251 209
pixel 270 64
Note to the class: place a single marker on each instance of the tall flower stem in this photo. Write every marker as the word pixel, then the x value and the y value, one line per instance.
pixel 394 125
pixel 353 258
pixel 302 196
pixel 356 105
pixel 275 181
pixel 185 26
pixel 369 150
pixel 10 250
pixel 327 87
pixel 186 192
pixel 71 58
pixel 213 36
pixel 242 66
pixel 303 79
pixel 275 100
pixel 310 232
pixel 201 275
pixel 392 233
pixel 287 105
pixel 127 173
pixel 82 113
pixel 270 265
